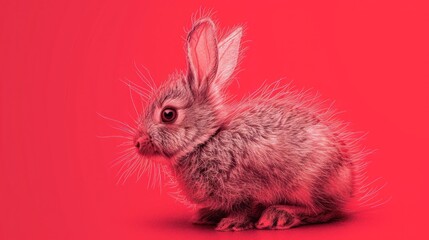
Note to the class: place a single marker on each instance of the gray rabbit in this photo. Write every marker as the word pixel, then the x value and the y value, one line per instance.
pixel 271 161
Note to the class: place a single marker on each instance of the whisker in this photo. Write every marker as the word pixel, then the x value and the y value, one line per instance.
pixel 125 130
pixel 150 75
pixel 130 150
pixel 155 177
pixel 132 101
pixel 116 121
pixel 126 143
pixel 137 89
pixel 123 158
pixel 143 77
pixel 116 136
pixel 132 168
pixel 142 168
pixel 159 178
pixel 121 171
pixel 149 171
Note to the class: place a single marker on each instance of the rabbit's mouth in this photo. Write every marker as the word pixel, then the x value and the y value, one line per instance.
pixel 148 152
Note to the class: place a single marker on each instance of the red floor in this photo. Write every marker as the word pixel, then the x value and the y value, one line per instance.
pixel 61 63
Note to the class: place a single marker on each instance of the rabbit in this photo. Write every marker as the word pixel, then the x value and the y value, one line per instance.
pixel 271 161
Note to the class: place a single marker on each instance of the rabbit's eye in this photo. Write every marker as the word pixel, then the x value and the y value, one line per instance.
pixel 168 115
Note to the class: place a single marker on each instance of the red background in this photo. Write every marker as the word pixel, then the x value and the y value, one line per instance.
pixel 62 62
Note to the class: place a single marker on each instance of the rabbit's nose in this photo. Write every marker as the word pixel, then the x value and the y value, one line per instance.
pixel 139 142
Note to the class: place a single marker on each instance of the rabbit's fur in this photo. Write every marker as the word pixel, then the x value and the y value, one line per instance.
pixel 272 161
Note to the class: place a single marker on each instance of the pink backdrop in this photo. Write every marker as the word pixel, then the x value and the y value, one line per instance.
pixel 61 63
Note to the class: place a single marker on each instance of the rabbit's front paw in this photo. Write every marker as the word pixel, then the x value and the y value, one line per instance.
pixel 277 217
pixel 235 223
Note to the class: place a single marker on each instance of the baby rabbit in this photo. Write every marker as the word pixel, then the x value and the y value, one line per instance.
pixel 272 161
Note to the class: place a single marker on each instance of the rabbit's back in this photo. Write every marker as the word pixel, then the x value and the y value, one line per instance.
pixel 291 150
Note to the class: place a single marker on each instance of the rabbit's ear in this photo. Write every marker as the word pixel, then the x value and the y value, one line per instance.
pixel 229 49
pixel 202 54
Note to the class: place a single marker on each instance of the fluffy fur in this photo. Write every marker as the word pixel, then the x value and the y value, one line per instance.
pixel 272 161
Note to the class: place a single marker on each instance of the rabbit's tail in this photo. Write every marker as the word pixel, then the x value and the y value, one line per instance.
pixel 367 192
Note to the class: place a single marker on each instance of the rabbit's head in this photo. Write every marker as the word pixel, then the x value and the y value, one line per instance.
pixel 186 110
